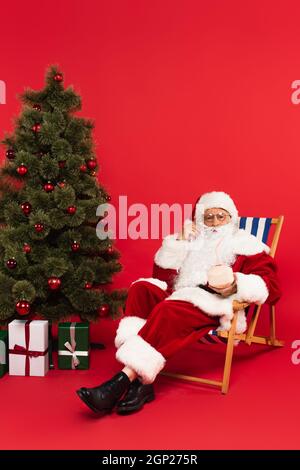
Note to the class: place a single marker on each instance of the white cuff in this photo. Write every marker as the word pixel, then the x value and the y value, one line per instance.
pixel 140 356
pixel 172 252
pixel 251 288
pixel 128 326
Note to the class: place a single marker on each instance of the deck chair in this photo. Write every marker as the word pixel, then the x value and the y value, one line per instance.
pixel 261 228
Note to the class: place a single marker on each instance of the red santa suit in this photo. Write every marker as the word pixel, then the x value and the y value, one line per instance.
pixel 171 310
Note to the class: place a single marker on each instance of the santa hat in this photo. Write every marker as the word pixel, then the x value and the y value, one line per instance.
pixel 216 199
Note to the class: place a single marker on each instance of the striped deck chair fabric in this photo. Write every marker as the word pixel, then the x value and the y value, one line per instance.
pixel 260 227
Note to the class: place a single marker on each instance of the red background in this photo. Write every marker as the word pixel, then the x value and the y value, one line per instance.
pixel 187 97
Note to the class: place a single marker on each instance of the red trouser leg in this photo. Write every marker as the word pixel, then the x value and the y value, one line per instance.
pixel 142 298
pixel 174 324
pixel 154 329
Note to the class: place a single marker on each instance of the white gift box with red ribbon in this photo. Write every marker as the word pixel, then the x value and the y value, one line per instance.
pixel 28 347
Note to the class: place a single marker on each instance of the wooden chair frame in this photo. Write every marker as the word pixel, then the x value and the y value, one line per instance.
pixel 249 336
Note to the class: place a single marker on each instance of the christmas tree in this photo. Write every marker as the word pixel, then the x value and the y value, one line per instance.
pixel 52 264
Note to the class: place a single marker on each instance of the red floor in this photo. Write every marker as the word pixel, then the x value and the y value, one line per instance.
pixel 261 410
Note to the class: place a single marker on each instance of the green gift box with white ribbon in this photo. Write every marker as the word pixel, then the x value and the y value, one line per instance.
pixel 73 345
pixel 3 352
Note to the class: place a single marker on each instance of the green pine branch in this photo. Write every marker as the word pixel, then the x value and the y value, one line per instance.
pixel 48 200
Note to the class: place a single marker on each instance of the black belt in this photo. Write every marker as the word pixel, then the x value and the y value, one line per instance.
pixel 208 289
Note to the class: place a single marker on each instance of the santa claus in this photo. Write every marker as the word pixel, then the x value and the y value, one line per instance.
pixel 197 274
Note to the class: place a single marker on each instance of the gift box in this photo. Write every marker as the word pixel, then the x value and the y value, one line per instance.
pixel 28 347
pixel 73 345
pixel 3 353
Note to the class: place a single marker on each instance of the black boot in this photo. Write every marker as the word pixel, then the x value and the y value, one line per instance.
pixel 103 398
pixel 137 395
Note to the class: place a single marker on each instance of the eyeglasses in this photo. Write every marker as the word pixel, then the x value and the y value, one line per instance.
pixel 221 217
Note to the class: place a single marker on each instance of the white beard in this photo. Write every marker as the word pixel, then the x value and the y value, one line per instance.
pixel 213 246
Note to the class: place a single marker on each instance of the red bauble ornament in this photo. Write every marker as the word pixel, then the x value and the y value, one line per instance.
pixel 54 283
pixel 36 127
pixel 39 227
pixel 83 168
pixel 23 307
pixel 26 248
pixel 75 246
pixel 71 210
pixel 61 184
pixel 110 249
pixel 48 187
pixel 22 170
pixel 26 208
pixel 37 107
pixel 10 154
pixel 58 77
pixel 91 164
pixel 62 163
pixel 88 285
pixel 103 310
pixel 11 263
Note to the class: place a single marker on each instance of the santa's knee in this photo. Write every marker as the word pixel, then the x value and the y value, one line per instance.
pixel 163 312
pixel 137 293
pixel 139 288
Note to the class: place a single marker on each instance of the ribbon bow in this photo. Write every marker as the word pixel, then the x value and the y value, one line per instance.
pixel 25 351
pixel 75 360
pixel 17 349
pixel 71 348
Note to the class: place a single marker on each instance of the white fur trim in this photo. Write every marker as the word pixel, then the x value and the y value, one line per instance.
pixel 212 304
pixel 251 288
pixel 156 282
pixel 241 324
pixel 225 323
pixel 172 252
pixel 128 326
pixel 246 244
pixel 140 356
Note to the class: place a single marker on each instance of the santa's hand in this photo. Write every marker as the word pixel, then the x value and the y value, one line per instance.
pixel 189 231
pixel 227 291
